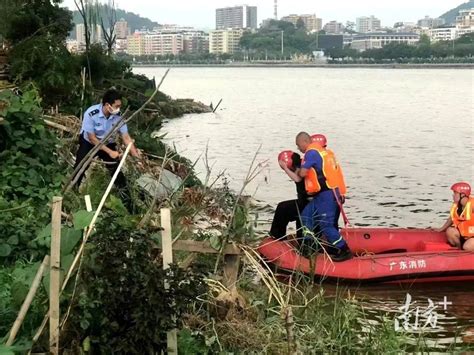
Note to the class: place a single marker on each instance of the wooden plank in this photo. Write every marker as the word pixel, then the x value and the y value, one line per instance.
pixel 27 302
pixel 231 270
pixel 195 246
pixel 167 245
pixel 55 267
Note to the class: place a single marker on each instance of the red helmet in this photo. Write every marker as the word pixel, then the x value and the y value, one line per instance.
pixel 462 188
pixel 319 139
pixel 287 157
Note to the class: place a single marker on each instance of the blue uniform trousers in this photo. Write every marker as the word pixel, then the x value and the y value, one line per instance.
pixel 321 214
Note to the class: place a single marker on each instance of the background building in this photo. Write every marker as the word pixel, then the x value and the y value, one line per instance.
pixel 404 26
pixel 334 27
pixel 367 41
pixel 121 29
pixel 136 44
pixel 236 17
pixel 429 22
pixel 330 41
pixel 443 34
pixel 95 37
pixel 163 43
pixel 465 22
pixel 225 41
pixel 80 34
pixel 311 22
pixel 368 24
pixel 196 42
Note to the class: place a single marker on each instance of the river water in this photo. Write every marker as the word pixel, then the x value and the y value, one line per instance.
pixel 402 136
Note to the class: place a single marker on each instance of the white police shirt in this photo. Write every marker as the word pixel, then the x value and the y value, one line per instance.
pixel 95 122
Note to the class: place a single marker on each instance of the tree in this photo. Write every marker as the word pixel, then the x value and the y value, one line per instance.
pixel 468 38
pixel 7 9
pixel 88 12
pixel 37 34
pixel 300 24
pixel 38 18
pixel 111 20
pixel 424 40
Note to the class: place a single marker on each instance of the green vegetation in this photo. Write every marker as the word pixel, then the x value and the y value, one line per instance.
pixel 135 22
pixel 458 51
pixel 266 42
pixel 31 174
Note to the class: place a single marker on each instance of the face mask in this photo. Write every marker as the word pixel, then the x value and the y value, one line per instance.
pixel 115 111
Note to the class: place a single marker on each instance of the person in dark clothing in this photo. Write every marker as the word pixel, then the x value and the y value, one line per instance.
pixel 290 211
pixel 98 121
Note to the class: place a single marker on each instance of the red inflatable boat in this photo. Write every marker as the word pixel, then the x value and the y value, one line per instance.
pixel 382 255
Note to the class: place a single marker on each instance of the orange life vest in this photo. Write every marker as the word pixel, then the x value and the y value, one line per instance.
pixel 332 171
pixel 464 222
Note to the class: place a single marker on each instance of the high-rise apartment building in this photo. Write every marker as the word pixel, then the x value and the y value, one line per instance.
pixel 368 24
pixel 236 17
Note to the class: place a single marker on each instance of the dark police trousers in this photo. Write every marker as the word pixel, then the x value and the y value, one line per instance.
pixel 112 164
pixel 286 212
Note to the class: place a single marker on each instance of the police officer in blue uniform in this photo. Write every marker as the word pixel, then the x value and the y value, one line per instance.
pixel 98 121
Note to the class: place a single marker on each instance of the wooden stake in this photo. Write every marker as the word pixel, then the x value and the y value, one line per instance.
pixel 167 245
pixel 55 268
pixel 231 270
pixel 87 199
pixel 27 302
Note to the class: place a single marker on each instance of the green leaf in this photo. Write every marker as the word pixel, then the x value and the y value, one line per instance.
pixel 116 205
pixel 6 350
pixel 84 324
pixel 44 237
pixel 26 274
pixel 69 239
pixel 18 293
pixel 13 240
pixel 86 344
pixel 215 242
pixel 82 219
pixel 5 250
pixel 66 262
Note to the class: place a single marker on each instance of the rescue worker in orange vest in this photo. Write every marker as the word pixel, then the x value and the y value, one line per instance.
pixel 341 188
pixel 459 227
pixel 322 175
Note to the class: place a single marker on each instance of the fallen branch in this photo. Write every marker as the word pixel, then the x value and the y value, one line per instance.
pixel 58 126
pixel 217 106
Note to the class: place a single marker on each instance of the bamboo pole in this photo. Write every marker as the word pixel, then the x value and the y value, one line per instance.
pixel 27 302
pixel 167 245
pixel 55 268
pixel 86 237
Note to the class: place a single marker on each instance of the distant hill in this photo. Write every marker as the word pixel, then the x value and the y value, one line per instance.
pixel 135 22
pixel 450 16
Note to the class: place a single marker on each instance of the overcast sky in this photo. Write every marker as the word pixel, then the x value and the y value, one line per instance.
pixel 201 13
